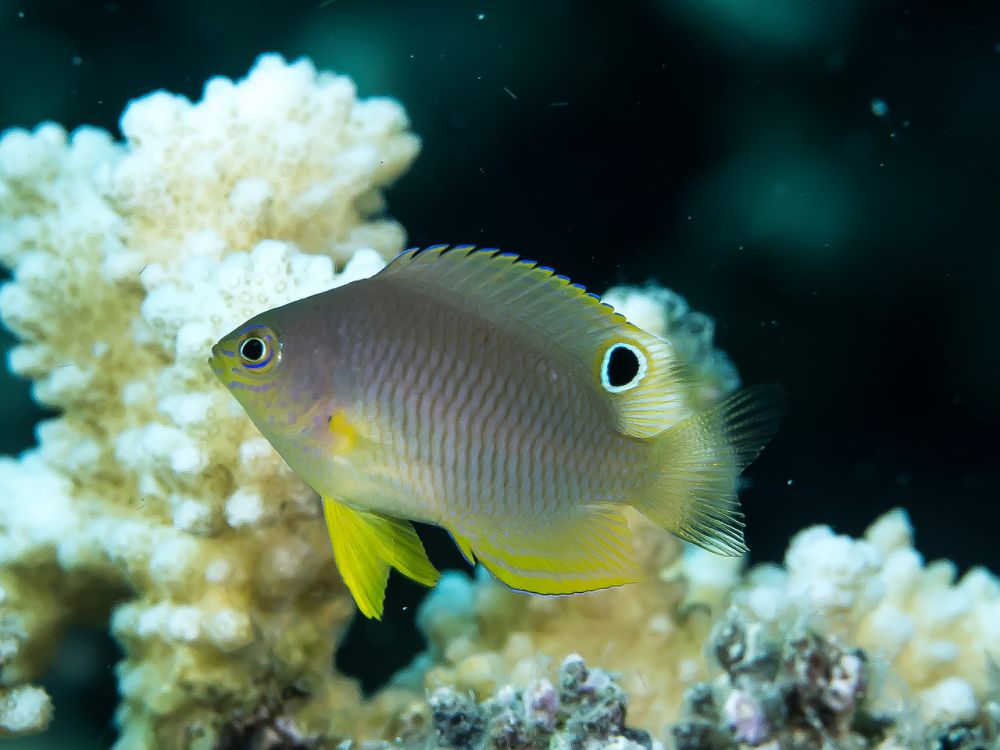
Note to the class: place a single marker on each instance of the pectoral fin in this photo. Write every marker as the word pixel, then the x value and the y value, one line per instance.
pixel 366 545
pixel 589 551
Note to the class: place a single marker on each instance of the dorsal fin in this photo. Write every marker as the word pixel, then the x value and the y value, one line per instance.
pixel 539 304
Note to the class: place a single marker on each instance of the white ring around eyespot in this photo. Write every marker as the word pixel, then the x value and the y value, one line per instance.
pixel 643 366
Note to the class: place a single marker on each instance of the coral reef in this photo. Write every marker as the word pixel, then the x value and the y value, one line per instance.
pixel 935 633
pixel 152 503
pixel 852 610
pixel 152 497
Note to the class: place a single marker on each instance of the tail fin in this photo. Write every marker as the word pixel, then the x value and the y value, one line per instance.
pixel 692 492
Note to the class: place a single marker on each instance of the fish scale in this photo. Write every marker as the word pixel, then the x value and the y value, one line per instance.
pixel 506 407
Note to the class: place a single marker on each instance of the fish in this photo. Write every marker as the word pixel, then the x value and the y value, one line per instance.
pixel 486 394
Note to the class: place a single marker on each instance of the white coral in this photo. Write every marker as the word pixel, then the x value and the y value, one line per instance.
pixel 24 710
pixel 153 494
pixel 935 632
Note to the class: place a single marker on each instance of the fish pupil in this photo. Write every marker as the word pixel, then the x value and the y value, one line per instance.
pixel 252 350
pixel 622 367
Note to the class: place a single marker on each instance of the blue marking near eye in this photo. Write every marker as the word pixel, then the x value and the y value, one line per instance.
pixel 262 363
pixel 546 268
pixel 509 256
pixel 562 278
pixel 595 296
pixel 252 327
pixel 581 287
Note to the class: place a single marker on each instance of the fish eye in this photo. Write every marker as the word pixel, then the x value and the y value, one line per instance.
pixel 623 367
pixel 258 349
pixel 253 349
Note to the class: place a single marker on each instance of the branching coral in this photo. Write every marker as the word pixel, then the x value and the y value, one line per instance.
pixel 152 492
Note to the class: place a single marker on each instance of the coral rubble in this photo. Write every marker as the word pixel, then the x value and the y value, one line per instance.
pixel 585 708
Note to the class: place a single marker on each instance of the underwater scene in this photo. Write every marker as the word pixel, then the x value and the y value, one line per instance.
pixel 499 374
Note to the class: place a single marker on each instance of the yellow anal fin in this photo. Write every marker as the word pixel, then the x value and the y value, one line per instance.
pixel 366 545
pixel 556 555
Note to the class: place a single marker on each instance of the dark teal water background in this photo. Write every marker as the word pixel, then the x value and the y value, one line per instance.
pixel 823 178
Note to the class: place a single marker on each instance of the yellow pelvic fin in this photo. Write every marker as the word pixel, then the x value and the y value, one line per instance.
pixel 692 491
pixel 366 545
pixel 556 555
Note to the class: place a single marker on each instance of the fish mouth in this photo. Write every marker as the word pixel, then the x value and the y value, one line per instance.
pixel 216 363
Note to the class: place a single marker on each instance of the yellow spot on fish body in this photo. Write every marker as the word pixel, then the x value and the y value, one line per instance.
pixel 345 435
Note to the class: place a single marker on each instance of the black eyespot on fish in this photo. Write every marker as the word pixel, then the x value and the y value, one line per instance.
pixel 253 349
pixel 623 367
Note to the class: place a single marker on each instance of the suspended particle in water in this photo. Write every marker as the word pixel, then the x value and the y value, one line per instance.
pixel 879 107
pixel 481 17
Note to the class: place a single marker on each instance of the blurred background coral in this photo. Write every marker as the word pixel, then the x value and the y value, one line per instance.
pixel 821 178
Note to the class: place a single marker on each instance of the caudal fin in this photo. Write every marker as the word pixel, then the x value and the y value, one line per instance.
pixel 692 491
